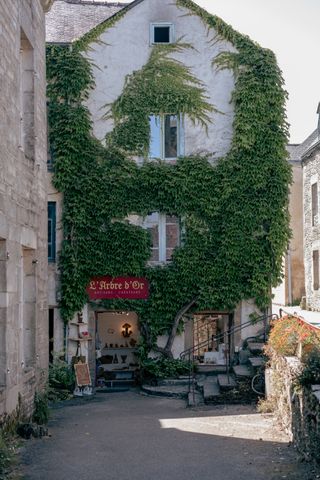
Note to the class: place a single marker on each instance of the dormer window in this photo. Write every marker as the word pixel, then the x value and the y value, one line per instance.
pixel 161 33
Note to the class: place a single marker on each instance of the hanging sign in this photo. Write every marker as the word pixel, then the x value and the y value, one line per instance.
pixel 118 287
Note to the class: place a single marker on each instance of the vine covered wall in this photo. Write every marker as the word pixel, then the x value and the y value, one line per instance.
pixel 235 212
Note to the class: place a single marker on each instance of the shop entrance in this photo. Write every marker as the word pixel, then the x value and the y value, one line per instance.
pixel 117 336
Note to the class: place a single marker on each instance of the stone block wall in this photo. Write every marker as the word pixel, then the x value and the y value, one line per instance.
pixel 311 175
pixel 297 410
pixel 23 204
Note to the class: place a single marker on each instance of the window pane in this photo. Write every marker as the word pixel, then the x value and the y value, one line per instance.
pixel 52 231
pixel 172 235
pixel 155 137
pixel 161 34
pixel 171 136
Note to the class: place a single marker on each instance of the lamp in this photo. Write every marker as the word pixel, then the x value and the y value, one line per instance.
pixel 126 332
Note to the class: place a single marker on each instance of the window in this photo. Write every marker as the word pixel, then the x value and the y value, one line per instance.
pixel 165 235
pixel 51 231
pixel 166 136
pixel 314 203
pixel 161 33
pixel 315 264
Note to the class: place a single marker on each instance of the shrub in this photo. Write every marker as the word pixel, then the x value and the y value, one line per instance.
pixel 288 332
pixel 164 368
pixel 6 456
pixel 41 409
pixel 310 374
pixel 61 380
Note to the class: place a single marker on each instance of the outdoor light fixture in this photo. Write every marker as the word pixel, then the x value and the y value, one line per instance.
pixel 126 332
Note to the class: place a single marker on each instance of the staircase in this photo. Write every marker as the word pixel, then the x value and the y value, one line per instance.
pixel 234 386
pixel 214 384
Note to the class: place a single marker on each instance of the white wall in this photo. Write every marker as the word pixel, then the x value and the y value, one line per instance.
pixel 126 48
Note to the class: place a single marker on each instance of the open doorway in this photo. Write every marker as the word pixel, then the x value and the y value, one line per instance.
pixel 117 336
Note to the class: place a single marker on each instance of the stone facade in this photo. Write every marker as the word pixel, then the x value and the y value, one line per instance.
pixel 121 50
pixel 292 288
pixel 311 221
pixel 297 410
pixel 23 204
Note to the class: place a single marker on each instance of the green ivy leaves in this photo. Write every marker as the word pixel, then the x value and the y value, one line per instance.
pixel 235 213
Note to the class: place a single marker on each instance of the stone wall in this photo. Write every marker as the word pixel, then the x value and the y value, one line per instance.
pixel 311 175
pixel 23 204
pixel 297 410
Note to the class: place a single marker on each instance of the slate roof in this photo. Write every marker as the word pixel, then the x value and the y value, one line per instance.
pixel 68 20
pixel 297 151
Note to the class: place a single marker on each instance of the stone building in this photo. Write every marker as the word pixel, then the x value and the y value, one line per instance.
pixel 310 155
pixel 292 289
pixel 117 50
pixel 23 204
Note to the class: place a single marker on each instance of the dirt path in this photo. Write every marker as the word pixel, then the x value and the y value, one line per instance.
pixel 126 436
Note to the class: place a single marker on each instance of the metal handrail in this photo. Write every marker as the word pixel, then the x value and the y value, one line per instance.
pixel 237 328
pixel 234 329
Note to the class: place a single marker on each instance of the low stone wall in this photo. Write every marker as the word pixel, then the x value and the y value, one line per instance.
pixel 297 409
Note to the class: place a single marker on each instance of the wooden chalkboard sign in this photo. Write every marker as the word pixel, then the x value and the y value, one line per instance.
pixel 82 374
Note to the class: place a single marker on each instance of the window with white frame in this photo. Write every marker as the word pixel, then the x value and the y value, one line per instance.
pixel 165 235
pixel 166 136
pixel 162 32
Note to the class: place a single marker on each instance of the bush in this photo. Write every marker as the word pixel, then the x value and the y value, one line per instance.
pixel 41 409
pixel 6 457
pixel 164 368
pixel 61 380
pixel 310 374
pixel 288 332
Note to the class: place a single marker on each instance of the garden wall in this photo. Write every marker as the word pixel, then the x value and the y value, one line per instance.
pixel 296 408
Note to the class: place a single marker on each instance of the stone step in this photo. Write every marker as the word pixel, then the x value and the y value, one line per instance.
pixel 242 371
pixel 205 369
pixel 194 399
pixel 173 381
pixel 226 381
pixel 256 347
pixel 211 390
pixel 257 362
pixel 170 391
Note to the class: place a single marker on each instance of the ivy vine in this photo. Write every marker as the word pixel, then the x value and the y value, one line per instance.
pixel 235 212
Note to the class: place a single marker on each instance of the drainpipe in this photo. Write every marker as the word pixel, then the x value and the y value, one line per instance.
pixel 289 275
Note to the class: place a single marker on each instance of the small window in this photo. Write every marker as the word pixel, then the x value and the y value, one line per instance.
pixel 315 262
pixel 166 137
pixel 161 33
pixel 51 231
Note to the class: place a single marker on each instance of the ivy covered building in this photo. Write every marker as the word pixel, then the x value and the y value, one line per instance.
pixel 167 145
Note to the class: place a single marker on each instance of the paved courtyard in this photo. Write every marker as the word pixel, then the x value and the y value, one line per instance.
pixel 127 436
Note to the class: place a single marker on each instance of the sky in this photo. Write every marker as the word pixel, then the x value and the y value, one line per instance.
pixel 291 29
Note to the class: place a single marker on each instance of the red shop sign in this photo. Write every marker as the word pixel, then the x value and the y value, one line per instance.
pixel 118 287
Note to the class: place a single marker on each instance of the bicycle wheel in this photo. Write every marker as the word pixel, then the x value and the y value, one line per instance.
pixel 258 384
